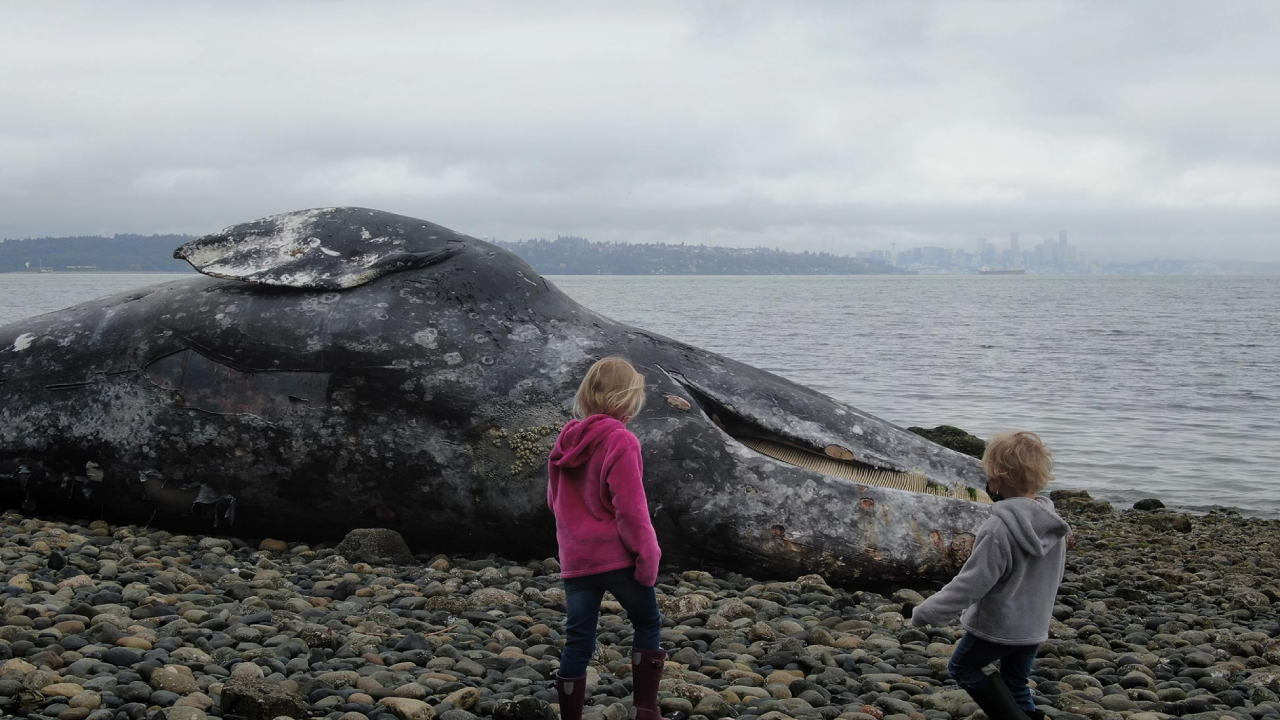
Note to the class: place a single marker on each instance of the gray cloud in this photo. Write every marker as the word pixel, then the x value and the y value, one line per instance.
pixel 1141 128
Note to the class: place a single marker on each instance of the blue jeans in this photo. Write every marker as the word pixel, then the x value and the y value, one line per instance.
pixel 582 597
pixel 972 654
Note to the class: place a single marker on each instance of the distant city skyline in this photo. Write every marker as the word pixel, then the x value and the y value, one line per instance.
pixel 1029 242
pixel 1051 254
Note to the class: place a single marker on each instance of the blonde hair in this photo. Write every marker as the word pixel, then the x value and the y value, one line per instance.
pixel 1019 460
pixel 612 387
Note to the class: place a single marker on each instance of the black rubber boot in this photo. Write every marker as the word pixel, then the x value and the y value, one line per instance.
pixel 996 701
pixel 646 673
pixel 1035 714
pixel 573 694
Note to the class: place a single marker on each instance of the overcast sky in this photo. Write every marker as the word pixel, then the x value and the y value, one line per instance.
pixel 1139 128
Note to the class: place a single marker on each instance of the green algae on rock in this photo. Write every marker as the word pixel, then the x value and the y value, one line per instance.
pixel 953 438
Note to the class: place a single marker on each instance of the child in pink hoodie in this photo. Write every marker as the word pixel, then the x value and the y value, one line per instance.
pixel 596 490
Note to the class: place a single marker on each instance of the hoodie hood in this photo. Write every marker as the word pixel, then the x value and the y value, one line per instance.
pixel 579 437
pixel 1032 523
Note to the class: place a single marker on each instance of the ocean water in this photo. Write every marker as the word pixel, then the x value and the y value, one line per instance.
pixel 1163 387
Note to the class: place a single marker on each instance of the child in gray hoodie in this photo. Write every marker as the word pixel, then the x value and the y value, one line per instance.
pixel 1005 592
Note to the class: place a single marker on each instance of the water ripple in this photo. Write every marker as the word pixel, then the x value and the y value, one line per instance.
pixel 1163 386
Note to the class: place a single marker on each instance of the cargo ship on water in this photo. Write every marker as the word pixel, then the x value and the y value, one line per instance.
pixel 1002 272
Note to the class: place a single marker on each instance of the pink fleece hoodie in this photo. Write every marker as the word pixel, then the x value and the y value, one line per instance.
pixel 596 490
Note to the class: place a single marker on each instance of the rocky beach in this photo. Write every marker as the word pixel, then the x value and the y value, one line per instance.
pixel 1161 614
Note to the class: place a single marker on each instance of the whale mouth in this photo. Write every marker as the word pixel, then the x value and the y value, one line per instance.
pixel 832 460
pixel 862 474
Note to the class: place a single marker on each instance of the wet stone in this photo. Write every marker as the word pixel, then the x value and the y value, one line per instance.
pixel 1186 631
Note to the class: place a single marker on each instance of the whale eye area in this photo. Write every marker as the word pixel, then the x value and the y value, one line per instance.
pixel 831 460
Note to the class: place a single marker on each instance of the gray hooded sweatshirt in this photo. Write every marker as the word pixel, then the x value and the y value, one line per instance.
pixel 1009 583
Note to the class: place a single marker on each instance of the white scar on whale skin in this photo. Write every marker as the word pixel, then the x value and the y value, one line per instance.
pixel 23 341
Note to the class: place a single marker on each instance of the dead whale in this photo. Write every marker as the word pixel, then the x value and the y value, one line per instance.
pixel 345 367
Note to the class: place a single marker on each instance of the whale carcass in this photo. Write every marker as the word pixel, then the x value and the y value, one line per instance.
pixel 345 367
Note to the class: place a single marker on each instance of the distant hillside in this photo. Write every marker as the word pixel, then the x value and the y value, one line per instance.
pixel 119 252
pixel 562 256
pixel 579 256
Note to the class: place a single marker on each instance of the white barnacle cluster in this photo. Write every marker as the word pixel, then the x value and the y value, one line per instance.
pixel 524 333
pixel 426 337
pixel 529 445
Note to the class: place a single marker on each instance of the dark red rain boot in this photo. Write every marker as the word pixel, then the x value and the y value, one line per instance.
pixel 573 693
pixel 646 673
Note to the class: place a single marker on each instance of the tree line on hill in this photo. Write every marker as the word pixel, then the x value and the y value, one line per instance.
pixel 139 253
pixel 562 256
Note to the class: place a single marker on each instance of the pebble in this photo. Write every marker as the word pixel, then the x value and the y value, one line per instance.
pixel 1160 614
pixel 86 699
pixel 408 709
pixel 63 690
pixel 273 545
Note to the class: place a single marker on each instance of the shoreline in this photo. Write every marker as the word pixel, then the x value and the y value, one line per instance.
pixel 1161 614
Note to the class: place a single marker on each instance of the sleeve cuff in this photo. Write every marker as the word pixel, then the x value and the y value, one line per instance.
pixel 647 578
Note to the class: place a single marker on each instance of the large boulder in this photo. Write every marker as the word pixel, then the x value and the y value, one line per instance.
pixel 953 438
pixel 1166 522
pixel 375 545
pixel 254 699
pixel 1079 502
pixel 525 708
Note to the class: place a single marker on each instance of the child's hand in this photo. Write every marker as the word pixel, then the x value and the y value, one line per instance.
pixel 909 612
pixel 647 578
